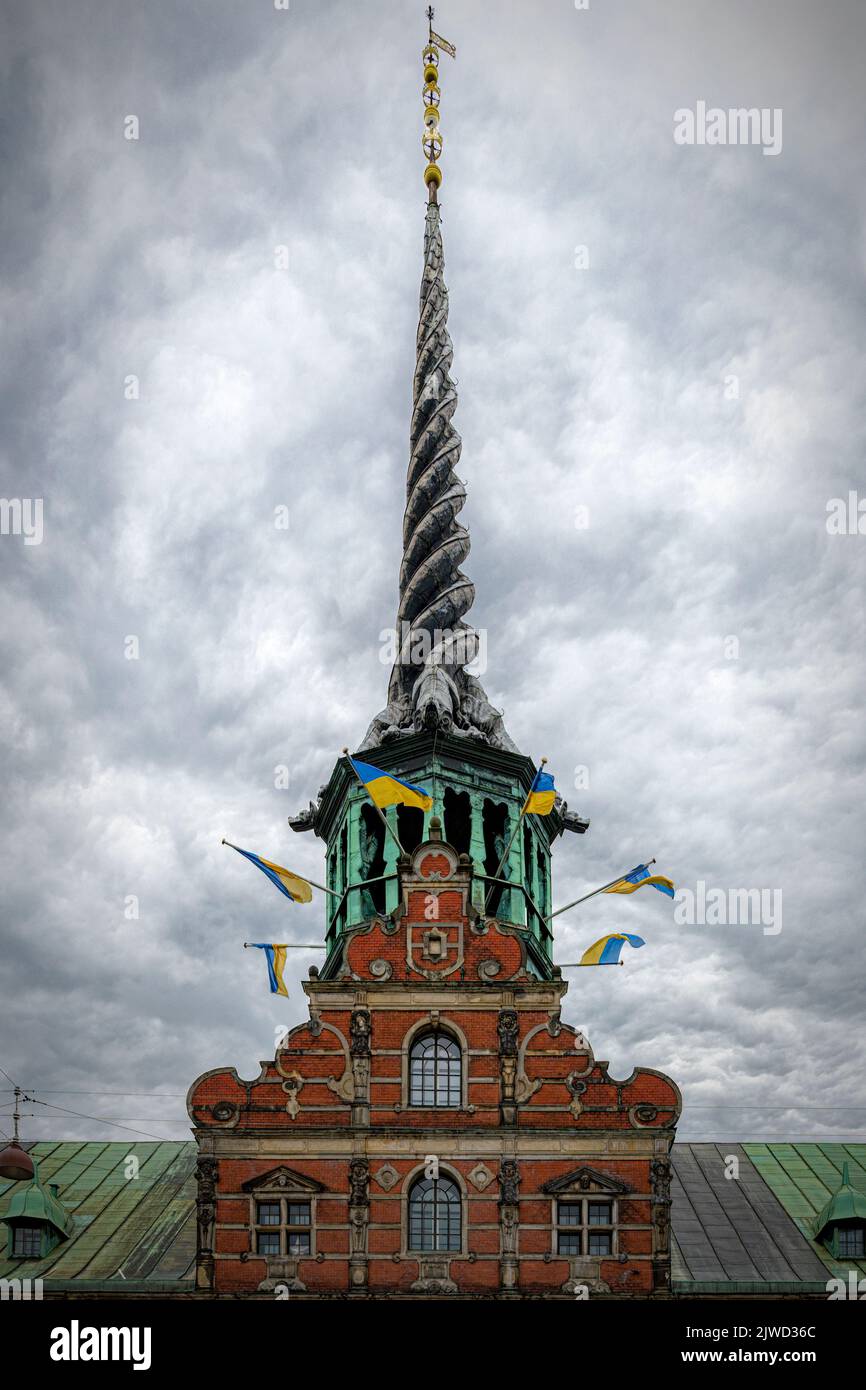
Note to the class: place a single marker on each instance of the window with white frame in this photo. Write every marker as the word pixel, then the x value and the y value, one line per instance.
pixel 585 1226
pixel 435 1214
pixel 435 1071
pixel 283 1226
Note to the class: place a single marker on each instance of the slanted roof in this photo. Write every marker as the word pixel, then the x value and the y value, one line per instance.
pixel 848 1204
pixel 125 1232
pixel 32 1202
pixel 751 1235
pixel 804 1177
pixel 754 1233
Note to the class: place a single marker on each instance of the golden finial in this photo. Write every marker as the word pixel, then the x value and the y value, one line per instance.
pixel 432 138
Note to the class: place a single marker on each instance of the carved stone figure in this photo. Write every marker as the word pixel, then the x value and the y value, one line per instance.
pixel 509 1225
pixel 506 1026
pixel 359 1181
pixel 509 1181
pixel 359 1029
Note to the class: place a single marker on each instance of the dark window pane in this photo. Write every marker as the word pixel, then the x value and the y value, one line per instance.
pixel 599 1242
pixel 28 1240
pixel 269 1214
pixel 268 1242
pixel 299 1213
pixel 599 1213
pixel 298 1242
pixel 569 1243
pixel 569 1214
pixel 851 1243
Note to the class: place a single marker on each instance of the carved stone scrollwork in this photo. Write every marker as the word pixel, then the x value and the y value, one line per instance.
pixel 434 1276
pixel 292 1086
pixel 342 1086
pixel 576 1088
pixel 642 1115
pixel 206 1177
pixel 225 1113
pixel 381 969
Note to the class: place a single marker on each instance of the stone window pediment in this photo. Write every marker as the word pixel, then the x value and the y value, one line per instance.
pixel 283 1179
pixel 584 1182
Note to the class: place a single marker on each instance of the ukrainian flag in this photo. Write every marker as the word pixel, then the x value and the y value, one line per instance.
pixel 294 887
pixel 386 790
pixel 607 950
pixel 276 958
pixel 542 795
pixel 641 878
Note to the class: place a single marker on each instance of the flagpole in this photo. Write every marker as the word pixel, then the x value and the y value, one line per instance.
pixel 587 964
pixel 377 809
pixel 312 882
pixel 513 835
pixel 594 893
pixel 291 945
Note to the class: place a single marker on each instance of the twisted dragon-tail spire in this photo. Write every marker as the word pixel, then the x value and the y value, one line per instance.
pixel 434 593
pixel 430 687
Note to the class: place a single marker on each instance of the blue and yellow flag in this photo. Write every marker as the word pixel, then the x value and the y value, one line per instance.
pixel 295 888
pixel 386 790
pixel 542 795
pixel 607 950
pixel 641 878
pixel 276 958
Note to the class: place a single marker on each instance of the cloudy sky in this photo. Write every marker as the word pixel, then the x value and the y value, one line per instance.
pixel 693 379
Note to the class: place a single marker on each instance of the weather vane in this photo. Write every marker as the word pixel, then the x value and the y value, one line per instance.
pixel 432 137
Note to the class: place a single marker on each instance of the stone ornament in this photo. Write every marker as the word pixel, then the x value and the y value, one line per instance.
pixel 386 1176
pixel 481 1176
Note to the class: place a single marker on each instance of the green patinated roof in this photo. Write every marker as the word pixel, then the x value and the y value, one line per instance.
pixel 133 1230
pixel 805 1178
pixel 752 1235
pixel 756 1233
pixel 33 1202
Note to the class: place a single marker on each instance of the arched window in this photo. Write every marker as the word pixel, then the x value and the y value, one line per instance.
pixel 434 1071
pixel 434 1214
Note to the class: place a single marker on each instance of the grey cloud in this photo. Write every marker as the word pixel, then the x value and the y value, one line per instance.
pixel 601 388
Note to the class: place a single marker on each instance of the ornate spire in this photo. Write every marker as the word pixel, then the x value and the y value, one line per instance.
pixel 429 686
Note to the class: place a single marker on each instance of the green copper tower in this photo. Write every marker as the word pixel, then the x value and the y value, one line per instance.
pixel 438 728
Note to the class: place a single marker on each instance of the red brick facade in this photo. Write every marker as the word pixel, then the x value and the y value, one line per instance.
pixel 536 1133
